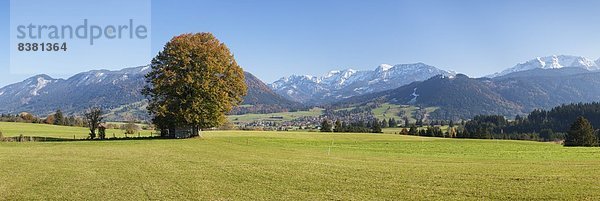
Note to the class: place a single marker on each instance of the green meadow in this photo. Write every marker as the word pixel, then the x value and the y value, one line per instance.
pixel 10 129
pixel 252 165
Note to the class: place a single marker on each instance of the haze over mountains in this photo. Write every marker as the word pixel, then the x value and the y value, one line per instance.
pixel 542 82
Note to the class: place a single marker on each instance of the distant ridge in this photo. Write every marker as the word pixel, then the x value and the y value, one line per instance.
pixel 521 92
pixel 552 62
pixel 120 90
pixel 340 84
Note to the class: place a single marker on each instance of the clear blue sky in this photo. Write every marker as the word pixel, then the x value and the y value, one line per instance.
pixel 272 39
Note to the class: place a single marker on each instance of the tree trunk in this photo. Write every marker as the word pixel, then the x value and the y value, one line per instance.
pixel 197 131
pixel 93 133
pixel 171 133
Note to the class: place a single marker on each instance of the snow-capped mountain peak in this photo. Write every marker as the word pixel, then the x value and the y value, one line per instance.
pixel 43 94
pixel 337 78
pixel 337 84
pixel 22 92
pixel 332 73
pixel 40 83
pixel 311 78
pixel 384 67
pixel 553 62
pixel 344 73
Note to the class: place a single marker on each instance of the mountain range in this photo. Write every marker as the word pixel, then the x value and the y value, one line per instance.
pixel 542 82
pixel 340 84
pixel 461 97
pixel 116 91
pixel 42 94
pixel 553 62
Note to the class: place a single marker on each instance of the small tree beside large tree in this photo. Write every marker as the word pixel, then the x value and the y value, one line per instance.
pixel 193 83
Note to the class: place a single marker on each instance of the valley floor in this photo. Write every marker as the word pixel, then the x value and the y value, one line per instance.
pixel 238 165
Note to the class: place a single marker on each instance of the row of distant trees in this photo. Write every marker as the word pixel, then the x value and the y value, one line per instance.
pixel 573 123
pixel 58 118
pixel 580 133
pixel 568 123
pixel 373 126
pixel 432 131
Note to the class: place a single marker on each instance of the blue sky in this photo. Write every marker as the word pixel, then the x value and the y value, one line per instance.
pixel 272 39
pixel 82 54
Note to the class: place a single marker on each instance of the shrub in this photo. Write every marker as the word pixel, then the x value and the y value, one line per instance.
pixel 148 127
pixel 547 134
pixel 102 133
pixel 112 126
pixel 131 128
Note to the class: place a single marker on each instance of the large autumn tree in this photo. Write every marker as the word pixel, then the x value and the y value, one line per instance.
pixel 193 83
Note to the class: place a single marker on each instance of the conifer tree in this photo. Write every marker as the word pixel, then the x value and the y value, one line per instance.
pixel 325 126
pixel 413 130
pixel 376 126
pixel 392 123
pixel 59 118
pixel 338 126
pixel 581 134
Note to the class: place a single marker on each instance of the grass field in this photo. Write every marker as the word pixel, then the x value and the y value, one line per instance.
pixel 234 165
pixel 10 129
